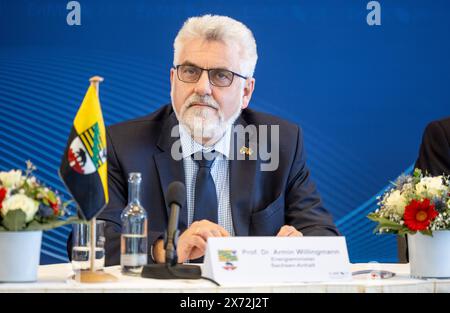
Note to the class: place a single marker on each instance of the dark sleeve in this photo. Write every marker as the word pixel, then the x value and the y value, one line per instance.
pixel 434 152
pixel 118 198
pixel 305 210
pixel 402 249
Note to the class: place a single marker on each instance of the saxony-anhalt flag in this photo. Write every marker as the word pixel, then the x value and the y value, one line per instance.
pixel 83 166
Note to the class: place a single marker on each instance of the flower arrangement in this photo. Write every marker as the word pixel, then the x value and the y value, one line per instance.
pixel 27 205
pixel 416 202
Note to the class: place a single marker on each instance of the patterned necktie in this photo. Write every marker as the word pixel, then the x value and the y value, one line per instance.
pixel 205 205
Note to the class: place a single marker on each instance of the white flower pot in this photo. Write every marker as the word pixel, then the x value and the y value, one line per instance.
pixel 429 257
pixel 19 255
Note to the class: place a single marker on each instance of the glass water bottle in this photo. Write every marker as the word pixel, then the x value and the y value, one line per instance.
pixel 133 245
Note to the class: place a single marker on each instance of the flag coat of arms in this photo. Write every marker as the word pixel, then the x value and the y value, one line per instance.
pixel 84 166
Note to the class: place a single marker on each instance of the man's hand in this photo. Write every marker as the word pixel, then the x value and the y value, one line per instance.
pixel 192 242
pixel 289 231
pixel 159 254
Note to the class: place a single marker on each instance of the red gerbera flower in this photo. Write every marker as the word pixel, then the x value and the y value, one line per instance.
pixel 2 195
pixel 419 214
pixel 54 206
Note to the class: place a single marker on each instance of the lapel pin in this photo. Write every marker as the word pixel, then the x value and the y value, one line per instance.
pixel 245 150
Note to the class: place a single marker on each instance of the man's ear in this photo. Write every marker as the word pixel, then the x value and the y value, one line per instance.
pixel 248 91
pixel 172 72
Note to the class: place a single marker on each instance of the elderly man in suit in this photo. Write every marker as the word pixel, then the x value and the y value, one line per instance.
pixel 195 140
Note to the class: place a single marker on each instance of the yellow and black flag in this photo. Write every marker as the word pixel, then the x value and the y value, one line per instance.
pixel 83 166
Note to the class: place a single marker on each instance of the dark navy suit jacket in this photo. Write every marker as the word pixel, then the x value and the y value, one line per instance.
pixel 434 154
pixel 261 201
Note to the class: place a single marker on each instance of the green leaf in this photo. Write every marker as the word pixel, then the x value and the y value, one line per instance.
pixel 417 172
pixel 383 220
pixel 406 230
pixel 14 220
pixel 35 225
pixel 2 228
pixel 427 232
pixel 386 224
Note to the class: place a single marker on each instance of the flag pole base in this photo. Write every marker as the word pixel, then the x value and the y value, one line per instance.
pixel 95 277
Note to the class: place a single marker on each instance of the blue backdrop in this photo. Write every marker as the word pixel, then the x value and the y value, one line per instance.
pixel 363 94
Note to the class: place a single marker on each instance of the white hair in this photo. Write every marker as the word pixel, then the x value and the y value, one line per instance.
pixel 223 29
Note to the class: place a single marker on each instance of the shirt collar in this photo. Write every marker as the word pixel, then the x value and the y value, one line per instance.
pixel 189 146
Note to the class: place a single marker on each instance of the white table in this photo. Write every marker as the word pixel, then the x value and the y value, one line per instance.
pixel 57 278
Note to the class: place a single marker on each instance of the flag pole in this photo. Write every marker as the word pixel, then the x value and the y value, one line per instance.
pixel 93 244
pixel 95 81
pixel 93 276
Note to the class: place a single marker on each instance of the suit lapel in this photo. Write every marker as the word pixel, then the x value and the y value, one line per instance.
pixel 242 177
pixel 170 169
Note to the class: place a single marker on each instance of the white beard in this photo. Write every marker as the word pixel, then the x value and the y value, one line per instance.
pixel 205 123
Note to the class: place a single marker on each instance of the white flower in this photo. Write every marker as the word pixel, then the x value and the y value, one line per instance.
pixel 11 179
pixel 407 187
pixel 396 203
pixel 432 186
pixel 22 202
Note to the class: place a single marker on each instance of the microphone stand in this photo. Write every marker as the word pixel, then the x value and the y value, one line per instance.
pixel 171 269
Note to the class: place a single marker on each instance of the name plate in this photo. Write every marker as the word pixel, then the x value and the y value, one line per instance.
pixel 276 259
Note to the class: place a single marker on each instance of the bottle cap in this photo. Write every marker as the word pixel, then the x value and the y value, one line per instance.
pixel 134 177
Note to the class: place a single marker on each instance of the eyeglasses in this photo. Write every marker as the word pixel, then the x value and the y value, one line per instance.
pixel 217 77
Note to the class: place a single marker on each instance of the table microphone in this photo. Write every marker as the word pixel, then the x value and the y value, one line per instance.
pixel 176 196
